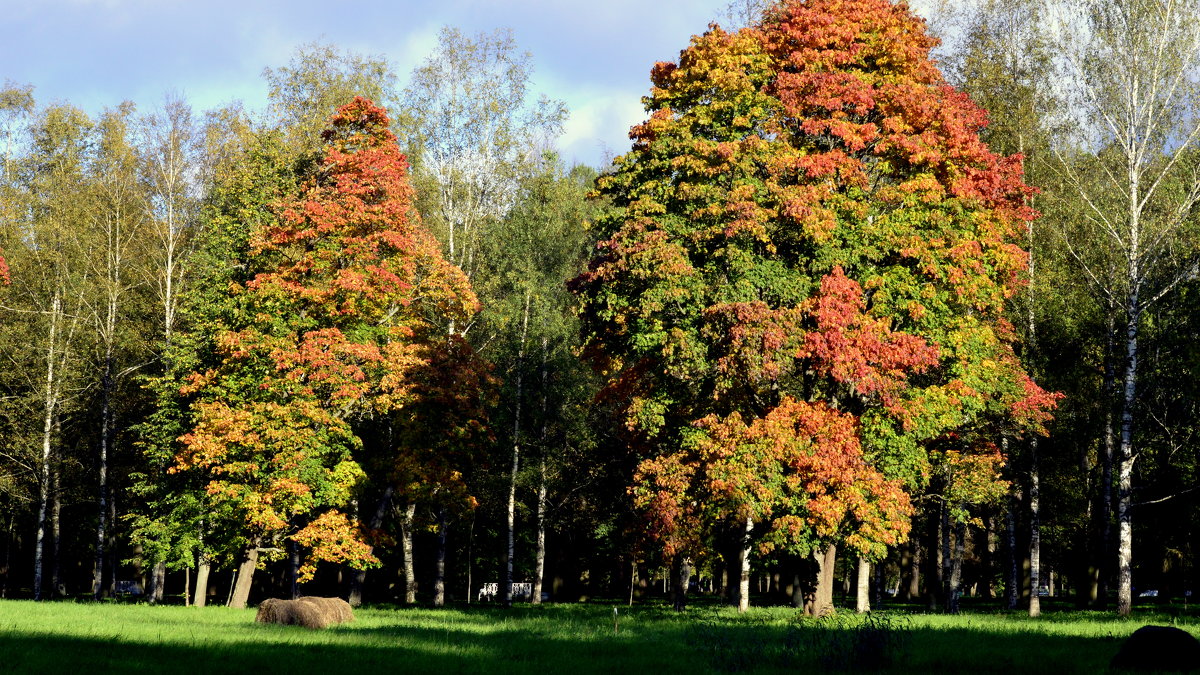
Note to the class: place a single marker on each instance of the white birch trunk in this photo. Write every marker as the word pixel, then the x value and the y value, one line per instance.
pixel 862 599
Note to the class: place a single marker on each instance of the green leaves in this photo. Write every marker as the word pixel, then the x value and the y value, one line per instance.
pixel 804 283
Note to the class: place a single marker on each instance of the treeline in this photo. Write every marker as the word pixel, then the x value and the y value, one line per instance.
pixel 397 353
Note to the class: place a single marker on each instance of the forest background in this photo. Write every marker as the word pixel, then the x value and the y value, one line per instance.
pixel 137 241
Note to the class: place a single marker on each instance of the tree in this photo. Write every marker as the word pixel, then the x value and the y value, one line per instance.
pixel 1006 66
pixel 180 526
pixel 529 326
pixel 345 312
pixel 803 287
pixel 117 222
pixel 474 131
pixel 1133 84
pixel 319 79
pixel 51 290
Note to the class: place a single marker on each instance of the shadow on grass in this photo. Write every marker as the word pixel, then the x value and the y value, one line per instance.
pixel 573 640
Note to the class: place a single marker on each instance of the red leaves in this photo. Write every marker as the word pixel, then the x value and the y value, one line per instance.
pixel 856 349
pixel 802 463
pixel 784 168
pixel 349 320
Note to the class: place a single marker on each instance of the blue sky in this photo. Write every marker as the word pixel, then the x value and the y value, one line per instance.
pixel 593 54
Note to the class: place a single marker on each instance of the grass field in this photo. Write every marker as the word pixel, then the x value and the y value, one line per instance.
pixel 90 638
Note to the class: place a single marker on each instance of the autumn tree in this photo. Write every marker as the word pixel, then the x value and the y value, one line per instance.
pixel 802 290
pixel 179 526
pixel 348 308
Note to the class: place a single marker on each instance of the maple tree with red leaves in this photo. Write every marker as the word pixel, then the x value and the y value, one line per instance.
pixel 345 320
pixel 802 289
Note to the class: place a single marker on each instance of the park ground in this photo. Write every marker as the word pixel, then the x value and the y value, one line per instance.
pixel 584 638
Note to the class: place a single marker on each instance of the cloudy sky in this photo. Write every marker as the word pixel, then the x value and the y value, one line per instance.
pixel 593 54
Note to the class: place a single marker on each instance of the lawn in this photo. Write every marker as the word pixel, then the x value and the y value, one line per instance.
pixel 110 637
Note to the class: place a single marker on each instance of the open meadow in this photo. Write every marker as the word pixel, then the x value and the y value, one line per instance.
pixel 108 637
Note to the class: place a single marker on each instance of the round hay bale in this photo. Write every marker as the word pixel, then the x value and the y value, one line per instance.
pixel 331 610
pixel 310 612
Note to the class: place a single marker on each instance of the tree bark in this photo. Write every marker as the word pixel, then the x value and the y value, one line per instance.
pixel 1035 531
pixel 50 406
pixel 683 577
pixel 862 600
pixel 1012 585
pixel 987 557
pixel 947 571
pixel 293 569
pixel 822 601
pixel 57 588
pixel 516 458
pixel 743 588
pixel 158 580
pixel 1126 458
pixel 203 569
pixel 105 441
pixel 539 565
pixel 1104 566
pixel 439 568
pixel 245 577
pixel 956 563
pixel 406 546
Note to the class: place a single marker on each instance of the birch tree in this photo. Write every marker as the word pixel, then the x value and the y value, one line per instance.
pixel 473 130
pixel 1134 92
pixel 51 291
pixel 115 227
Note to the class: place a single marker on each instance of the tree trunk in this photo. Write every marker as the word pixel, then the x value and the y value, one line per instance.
pixel 862 600
pixel 158 581
pixel 406 545
pixel 516 458
pixel 1035 531
pixel 1104 566
pixel 203 568
pixel 470 554
pixel 1126 458
pixel 50 406
pixel 360 576
pixel 293 569
pixel 57 588
pixel 439 568
pixel 822 600
pixel 245 577
pixel 987 557
pixel 947 566
pixel 743 588
pixel 960 536
pixel 683 577
pixel 105 441
pixel 539 565
pixel 1012 584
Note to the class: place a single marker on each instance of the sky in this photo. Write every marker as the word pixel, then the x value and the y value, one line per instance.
pixel 595 55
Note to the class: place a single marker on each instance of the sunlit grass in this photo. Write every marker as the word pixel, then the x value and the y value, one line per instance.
pixel 87 638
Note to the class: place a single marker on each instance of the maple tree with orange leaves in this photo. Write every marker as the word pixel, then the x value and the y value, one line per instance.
pixel 802 289
pixel 345 320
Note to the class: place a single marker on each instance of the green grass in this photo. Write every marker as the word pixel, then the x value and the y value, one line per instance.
pixel 574 639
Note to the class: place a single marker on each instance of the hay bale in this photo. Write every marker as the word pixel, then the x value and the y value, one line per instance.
pixel 1158 648
pixel 336 609
pixel 310 612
